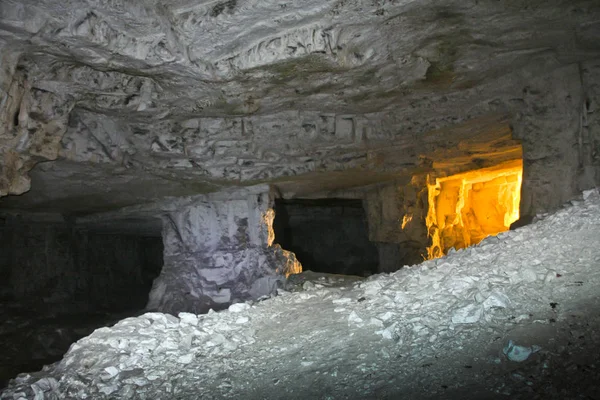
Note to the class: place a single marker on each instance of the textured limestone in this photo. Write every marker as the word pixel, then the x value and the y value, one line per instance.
pixel 588 138
pixel 33 122
pixel 217 253
pixel 396 215
pixel 157 97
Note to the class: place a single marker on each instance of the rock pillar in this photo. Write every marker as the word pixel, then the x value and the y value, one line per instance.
pixel 548 123
pixel 218 252
pixel 396 215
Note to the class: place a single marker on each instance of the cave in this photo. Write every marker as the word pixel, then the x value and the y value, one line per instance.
pixel 177 163
pixel 326 235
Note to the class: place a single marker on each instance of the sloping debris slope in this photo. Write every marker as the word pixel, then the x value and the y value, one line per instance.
pixel 516 316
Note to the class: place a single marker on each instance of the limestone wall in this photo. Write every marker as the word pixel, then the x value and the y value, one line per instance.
pixel 218 252
pixel 396 219
pixel 588 141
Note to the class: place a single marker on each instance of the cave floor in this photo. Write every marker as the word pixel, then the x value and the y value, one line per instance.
pixel 436 330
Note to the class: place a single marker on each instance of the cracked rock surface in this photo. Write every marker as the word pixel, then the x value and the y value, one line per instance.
pixel 516 316
pixel 185 98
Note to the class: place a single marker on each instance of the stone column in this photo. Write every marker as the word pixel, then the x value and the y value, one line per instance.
pixel 218 252
pixel 396 215
pixel 548 123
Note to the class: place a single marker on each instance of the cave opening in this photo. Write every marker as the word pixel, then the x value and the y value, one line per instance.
pixel 327 235
pixel 464 209
pixel 60 281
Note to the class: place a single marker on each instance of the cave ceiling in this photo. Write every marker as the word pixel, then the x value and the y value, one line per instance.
pixel 138 100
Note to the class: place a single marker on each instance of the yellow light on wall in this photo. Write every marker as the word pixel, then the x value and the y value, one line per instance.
pixel 405 220
pixel 465 208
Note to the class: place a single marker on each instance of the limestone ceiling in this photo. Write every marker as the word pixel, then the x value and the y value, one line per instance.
pixel 155 60
pixel 193 96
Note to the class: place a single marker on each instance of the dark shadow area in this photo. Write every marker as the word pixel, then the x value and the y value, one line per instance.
pixel 327 235
pixel 59 282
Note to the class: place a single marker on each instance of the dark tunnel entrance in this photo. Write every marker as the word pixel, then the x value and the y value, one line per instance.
pixel 327 235
pixel 59 282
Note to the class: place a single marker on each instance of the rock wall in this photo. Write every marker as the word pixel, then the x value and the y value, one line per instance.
pixel 589 135
pixel 217 253
pixel 32 123
pixel 59 268
pixel 328 235
pixel 396 217
pixel 548 122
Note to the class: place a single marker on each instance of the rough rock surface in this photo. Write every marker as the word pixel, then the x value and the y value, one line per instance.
pixel 513 317
pixel 196 97
pixel 217 253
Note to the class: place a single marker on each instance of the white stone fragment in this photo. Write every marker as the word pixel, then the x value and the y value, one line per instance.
pixel 305 296
pixel 550 276
pixel 108 389
pixel 468 314
pixel 528 275
pixel 140 381
pixel 185 359
pixel 38 393
pixel 164 319
pixel 109 373
pixel 386 316
pixel 308 285
pixel 238 307
pixel 522 317
pixel 188 319
pixel 127 392
pixel 590 193
pixel 400 298
pixel 372 288
pixel 186 341
pixel 242 320
pixel 496 299
pixel 354 318
pixel 388 333
pixel 343 300
pixel 47 384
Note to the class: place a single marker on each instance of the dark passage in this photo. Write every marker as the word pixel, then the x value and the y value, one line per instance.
pixel 327 235
pixel 59 282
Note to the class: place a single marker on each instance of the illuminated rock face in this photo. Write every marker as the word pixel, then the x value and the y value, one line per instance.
pixel 217 253
pixel 466 208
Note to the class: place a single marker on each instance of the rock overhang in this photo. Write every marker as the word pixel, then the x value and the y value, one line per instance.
pixel 194 98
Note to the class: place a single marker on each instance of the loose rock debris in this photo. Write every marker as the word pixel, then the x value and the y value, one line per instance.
pixel 517 316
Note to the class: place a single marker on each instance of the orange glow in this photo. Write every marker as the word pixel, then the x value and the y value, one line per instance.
pixel 405 220
pixel 292 265
pixel 268 218
pixel 466 208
